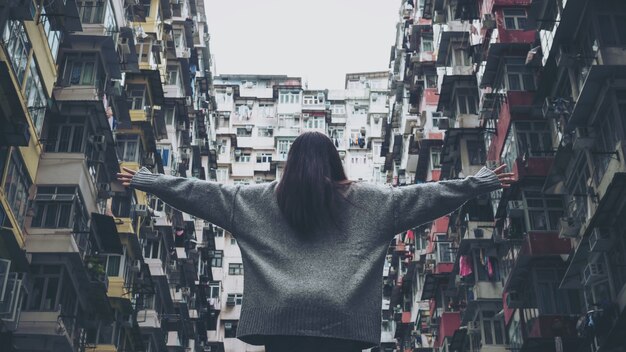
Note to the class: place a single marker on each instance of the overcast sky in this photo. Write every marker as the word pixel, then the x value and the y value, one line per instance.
pixel 318 40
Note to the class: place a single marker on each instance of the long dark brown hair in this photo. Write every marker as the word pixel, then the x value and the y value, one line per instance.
pixel 310 187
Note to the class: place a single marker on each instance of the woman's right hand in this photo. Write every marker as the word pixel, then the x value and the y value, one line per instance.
pixel 125 177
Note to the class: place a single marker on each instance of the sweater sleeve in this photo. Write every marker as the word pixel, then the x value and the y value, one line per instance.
pixel 210 201
pixel 424 202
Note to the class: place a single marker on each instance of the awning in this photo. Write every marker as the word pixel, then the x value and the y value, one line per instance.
pixel 63 15
pixel 444 45
pixel 494 56
pixel 447 88
pixel 106 46
pixel 106 233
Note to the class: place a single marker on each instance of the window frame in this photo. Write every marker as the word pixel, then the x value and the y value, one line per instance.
pixel 235 268
pixel 519 20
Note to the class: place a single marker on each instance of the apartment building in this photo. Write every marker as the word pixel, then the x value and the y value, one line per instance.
pixel 256 120
pixel 539 266
pixel 87 87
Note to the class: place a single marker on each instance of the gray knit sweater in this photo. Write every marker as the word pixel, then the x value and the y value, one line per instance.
pixel 328 284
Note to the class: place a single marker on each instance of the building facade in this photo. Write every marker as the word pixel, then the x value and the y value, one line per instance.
pixel 535 85
pixel 87 87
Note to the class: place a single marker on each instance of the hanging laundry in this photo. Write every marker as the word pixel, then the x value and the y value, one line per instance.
pixel 465 265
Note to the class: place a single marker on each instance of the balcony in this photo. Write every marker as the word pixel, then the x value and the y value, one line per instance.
pixel 541 331
pixel 545 248
pixel 449 322
pixel 43 331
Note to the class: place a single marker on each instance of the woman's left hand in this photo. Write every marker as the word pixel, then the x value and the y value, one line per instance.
pixel 125 177
pixel 506 178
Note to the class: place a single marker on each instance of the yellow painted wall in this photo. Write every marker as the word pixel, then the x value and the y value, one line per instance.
pixel 46 63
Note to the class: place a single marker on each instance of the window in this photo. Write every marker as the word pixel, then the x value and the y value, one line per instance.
pixel 67 135
pixel 244 131
pixel 235 297
pixel 514 18
pixel 230 328
pixel 243 158
pixel 121 204
pixel 518 77
pixel 476 152
pixel 312 99
pixel 235 269
pixel 283 148
pixel 466 101
pixel 266 110
pixel 445 253
pixel 18 46
pixel 179 40
pixel 288 121
pixel 264 158
pixel 427 44
pixel 241 181
pixel 164 151
pixel 222 174
pixel 35 96
pixel 435 154
pixel 129 147
pixel 172 75
pixel 289 97
pixel 550 298
pixel 80 69
pixel 214 289
pixel 338 109
pixel 315 123
pixel 459 57
pixel 47 286
pixel 543 211
pixel 170 116
pixel 136 96
pixel 152 249
pixel 17 184
pixel 113 265
pixel 492 329
pixel 91 11
pixel 533 138
pixel 431 81
pixel 216 258
pixel 233 240
pixel 265 131
pixel 58 207
pixel 53 37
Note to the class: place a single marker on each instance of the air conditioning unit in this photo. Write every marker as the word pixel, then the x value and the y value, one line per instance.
pixel 136 266
pixel 582 139
pixel 515 208
pixel 320 97
pixel 592 273
pixel 569 227
pixel 488 21
pixel 249 84
pixel 230 302
pixel 599 240
pixel 342 154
